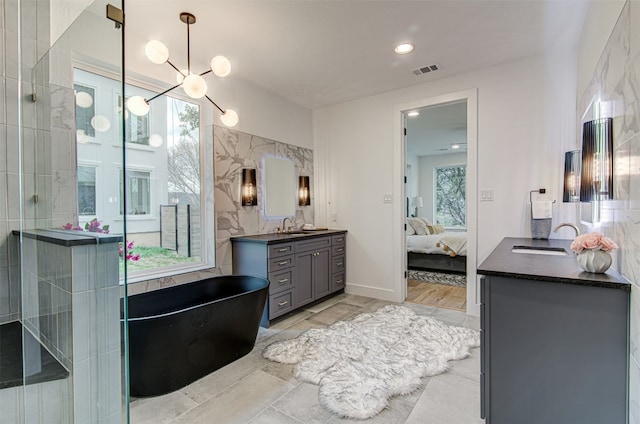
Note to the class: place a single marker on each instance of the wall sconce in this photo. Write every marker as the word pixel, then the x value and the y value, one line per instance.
pixel 596 182
pixel 417 203
pixel 304 192
pixel 572 166
pixel 193 84
pixel 249 194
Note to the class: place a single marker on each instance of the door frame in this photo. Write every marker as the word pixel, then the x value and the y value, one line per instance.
pixel 400 261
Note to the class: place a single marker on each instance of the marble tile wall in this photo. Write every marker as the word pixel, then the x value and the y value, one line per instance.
pixel 616 86
pixel 233 151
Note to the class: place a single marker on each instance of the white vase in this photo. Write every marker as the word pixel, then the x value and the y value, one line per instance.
pixel 596 261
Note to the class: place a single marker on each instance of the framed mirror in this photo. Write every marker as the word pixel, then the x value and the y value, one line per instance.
pixel 279 187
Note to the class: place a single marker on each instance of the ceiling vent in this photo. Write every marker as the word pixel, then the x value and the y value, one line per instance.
pixel 427 69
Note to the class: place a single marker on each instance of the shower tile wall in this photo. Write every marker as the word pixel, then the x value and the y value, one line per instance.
pixel 234 151
pixel 26 166
pixel 616 85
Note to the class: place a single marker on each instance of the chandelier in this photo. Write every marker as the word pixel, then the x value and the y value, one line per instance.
pixel 193 84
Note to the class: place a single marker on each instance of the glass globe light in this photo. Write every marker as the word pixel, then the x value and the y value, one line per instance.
pixel 156 52
pixel 100 123
pixel 229 118
pixel 180 75
pixel 194 86
pixel 221 66
pixel 155 140
pixel 83 99
pixel 138 105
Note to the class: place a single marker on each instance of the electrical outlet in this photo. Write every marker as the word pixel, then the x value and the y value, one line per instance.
pixel 386 198
pixel 486 196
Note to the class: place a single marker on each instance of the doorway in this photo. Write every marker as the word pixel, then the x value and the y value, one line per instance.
pixel 438 160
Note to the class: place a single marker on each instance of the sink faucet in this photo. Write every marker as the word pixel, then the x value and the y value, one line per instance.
pixel 566 224
pixel 284 222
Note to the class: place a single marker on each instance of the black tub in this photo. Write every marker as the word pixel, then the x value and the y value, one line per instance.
pixel 180 334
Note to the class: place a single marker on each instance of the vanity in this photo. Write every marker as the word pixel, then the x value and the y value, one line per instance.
pixel 302 267
pixel 554 339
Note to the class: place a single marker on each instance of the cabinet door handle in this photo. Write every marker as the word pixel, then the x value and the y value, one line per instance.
pixel 284 280
pixel 338 281
pixel 286 249
pixel 339 250
pixel 283 263
pixel 340 240
pixel 283 303
pixel 339 263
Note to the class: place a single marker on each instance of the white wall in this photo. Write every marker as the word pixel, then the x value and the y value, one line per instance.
pixel 526 114
pixel 427 165
pixel 413 178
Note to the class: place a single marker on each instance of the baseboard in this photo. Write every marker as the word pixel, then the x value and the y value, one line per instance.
pixel 374 292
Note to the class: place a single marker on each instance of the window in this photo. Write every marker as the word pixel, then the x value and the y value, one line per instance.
pixel 451 203
pixel 86 190
pixel 164 197
pixel 136 127
pixel 85 109
pixel 138 194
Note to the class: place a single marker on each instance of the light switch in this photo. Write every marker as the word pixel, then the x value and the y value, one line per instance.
pixel 386 198
pixel 486 196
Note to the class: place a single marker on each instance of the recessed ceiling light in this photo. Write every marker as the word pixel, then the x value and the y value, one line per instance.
pixel 455 146
pixel 404 48
pixel 413 113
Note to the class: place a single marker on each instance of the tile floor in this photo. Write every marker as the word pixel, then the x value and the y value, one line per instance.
pixel 257 391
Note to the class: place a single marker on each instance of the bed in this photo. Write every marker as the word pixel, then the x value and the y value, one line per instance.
pixel 443 252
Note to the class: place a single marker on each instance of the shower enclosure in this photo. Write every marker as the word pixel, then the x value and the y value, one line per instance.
pixel 62 347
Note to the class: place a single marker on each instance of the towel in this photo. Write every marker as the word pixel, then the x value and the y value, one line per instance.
pixel 541 209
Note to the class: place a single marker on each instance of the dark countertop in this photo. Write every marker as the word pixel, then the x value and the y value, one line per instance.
pixel 273 238
pixel 69 238
pixel 503 262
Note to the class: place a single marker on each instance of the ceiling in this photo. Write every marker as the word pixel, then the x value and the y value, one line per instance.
pixel 437 129
pixel 318 53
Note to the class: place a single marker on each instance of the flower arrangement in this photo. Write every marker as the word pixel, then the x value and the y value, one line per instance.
pixel 93 226
pixel 128 255
pixel 593 241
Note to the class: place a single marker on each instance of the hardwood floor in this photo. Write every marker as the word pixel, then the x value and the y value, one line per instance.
pixel 439 295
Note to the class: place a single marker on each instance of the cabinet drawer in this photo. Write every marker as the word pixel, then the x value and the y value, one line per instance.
pixel 313 244
pixel 280 304
pixel 281 249
pixel 338 240
pixel 279 281
pixel 281 263
pixel 337 264
pixel 338 250
pixel 337 281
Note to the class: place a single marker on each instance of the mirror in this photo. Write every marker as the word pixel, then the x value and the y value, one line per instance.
pixel 279 187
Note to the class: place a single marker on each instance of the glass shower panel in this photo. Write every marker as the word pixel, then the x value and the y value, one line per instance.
pixel 69 331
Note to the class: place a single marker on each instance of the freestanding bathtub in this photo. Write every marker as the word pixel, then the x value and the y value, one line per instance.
pixel 182 333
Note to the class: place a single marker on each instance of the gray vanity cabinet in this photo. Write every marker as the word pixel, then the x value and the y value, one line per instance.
pixel 300 268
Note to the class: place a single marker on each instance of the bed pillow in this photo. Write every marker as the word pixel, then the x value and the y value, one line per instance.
pixel 410 231
pixel 425 220
pixel 435 229
pixel 419 226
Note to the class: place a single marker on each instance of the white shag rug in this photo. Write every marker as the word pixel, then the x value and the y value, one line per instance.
pixel 360 364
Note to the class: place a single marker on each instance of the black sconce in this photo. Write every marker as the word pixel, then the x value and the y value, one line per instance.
pixel 572 166
pixel 304 192
pixel 596 182
pixel 249 194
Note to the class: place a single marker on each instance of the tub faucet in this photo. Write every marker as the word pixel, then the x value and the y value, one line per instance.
pixel 566 224
pixel 284 222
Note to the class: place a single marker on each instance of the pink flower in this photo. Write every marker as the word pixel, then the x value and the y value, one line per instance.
pixel 67 226
pixel 593 241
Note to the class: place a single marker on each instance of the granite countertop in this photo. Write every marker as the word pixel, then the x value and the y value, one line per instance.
pixel 69 238
pixel 273 238
pixel 503 262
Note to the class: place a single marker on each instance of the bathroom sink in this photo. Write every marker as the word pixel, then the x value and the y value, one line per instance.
pixel 540 250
